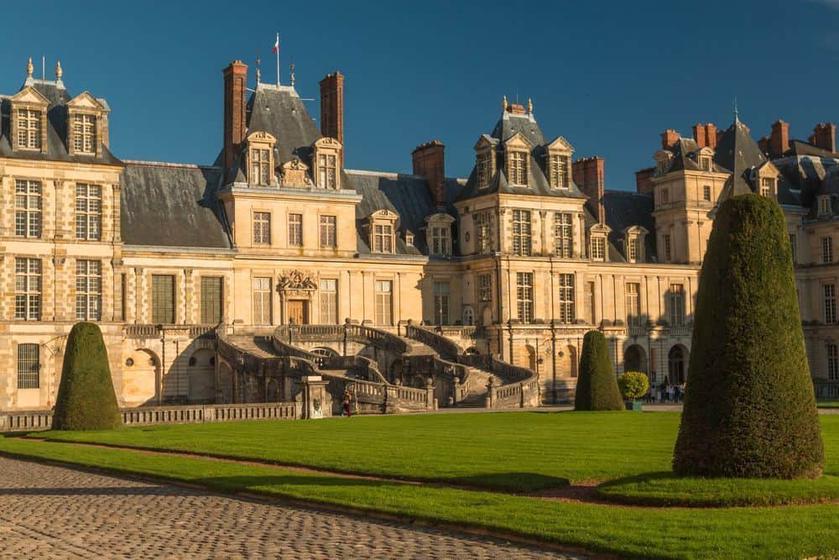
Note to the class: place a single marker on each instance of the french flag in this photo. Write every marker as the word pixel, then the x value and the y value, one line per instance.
pixel 276 48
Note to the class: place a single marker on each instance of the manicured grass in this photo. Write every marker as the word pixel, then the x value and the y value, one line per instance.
pixel 778 533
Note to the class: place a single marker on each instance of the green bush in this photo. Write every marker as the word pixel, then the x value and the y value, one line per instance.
pixel 86 399
pixel 597 387
pixel 749 406
pixel 633 385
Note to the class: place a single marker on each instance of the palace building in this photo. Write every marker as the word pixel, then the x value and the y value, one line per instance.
pixel 514 262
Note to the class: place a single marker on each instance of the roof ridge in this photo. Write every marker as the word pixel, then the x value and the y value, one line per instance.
pixel 169 164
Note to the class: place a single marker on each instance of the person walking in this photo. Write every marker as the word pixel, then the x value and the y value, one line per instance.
pixel 346 404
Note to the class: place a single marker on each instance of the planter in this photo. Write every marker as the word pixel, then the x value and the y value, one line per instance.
pixel 635 406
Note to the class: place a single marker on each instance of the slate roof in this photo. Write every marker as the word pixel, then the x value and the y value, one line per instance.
pixel 625 209
pixel 684 157
pixel 738 153
pixel 281 112
pixel 172 205
pixel 57 150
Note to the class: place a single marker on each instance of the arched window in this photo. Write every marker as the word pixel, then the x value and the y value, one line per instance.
pixel 468 316
pixel 676 365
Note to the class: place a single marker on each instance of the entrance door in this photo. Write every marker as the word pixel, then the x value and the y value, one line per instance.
pixel 298 312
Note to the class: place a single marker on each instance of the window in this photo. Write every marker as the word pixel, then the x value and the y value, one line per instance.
pixel 558 172
pixel 84 134
pixel 792 244
pixel 295 230
pixel 598 248
pixel 261 228
pixel 441 303
pixel 484 287
pixel 328 301
pixel 563 235
pixel 328 232
pixel 668 249
pixel 483 241
pixel 29 129
pixel 633 248
pixel 88 290
pixel 706 193
pixel 162 299
pixel 521 233
pixel 328 171
pixel 633 303
pixel 567 313
pixel 518 168
pixel 524 296
pixel 383 238
pixel 767 186
pixel 824 205
pixel 88 212
pixel 440 240
pixel 705 163
pixel 664 197
pixel 676 304
pixel 211 302
pixel 484 168
pixel 590 315
pixel 384 302
pixel 260 166
pixel 827 250
pixel 28 289
pixel 829 291
pixel 261 301
pixel 832 362
pixel 28 366
pixel 27 208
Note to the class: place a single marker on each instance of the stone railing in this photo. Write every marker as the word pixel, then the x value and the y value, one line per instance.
pixel 142 331
pixel 35 420
pixel 348 332
pixel 523 394
pixel 445 347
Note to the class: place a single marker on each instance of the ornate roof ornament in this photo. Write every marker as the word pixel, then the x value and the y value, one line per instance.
pixel 58 71
pixel 30 68
pixel 504 103
pixel 529 105
pixel 291 75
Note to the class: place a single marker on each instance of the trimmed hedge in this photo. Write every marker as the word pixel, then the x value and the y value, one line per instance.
pixel 633 385
pixel 86 398
pixel 597 386
pixel 750 409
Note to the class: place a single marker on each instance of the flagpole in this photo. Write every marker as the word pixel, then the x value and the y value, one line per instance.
pixel 278 59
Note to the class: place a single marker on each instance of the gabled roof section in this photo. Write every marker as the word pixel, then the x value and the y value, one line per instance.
pixel 738 153
pixel 279 111
pixel 625 209
pixel 511 124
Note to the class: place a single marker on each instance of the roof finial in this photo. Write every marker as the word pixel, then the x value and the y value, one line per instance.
pixel 530 105
pixel 58 71
pixel 291 76
pixel 504 103
pixel 30 68
pixel 258 71
pixel 736 111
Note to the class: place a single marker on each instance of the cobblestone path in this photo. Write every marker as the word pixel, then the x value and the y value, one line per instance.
pixel 54 512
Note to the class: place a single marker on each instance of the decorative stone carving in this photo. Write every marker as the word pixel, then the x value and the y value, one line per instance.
pixel 295 173
pixel 296 283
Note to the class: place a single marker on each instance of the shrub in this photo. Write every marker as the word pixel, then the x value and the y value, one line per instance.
pixel 86 399
pixel 597 387
pixel 749 406
pixel 633 385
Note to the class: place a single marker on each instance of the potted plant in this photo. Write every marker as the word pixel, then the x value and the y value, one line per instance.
pixel 633 386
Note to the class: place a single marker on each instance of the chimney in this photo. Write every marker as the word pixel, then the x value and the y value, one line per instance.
pixel 763 144
pixel 332 106
pixel 643 180
pixel 430 162
pixel 824 136
pixel 235 82
pixel 779 139
pixel 668 138
pixel 590 176
pixel 712 135
pixel 699 135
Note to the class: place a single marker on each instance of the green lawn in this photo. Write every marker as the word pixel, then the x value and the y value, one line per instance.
pixel 778 533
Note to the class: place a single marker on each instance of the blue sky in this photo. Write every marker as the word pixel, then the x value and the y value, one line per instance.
pixel 608 76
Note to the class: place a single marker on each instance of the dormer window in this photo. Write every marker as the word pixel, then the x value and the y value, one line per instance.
pixel 260 159
pixel 517 168
pixel 705 163
pixel 767 187
pixel 824 205
pixel 29 131
pixel 84 133
pixel 327 159
pixel 484 168
pixel 598 248
pixel 439 231
pixel 383 238
pixel 558 171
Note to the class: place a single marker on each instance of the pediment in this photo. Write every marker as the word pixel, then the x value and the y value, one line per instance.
pixel 327 142
pixel 85 101
pixel 30 95
pixel 484 142
pixel 517 140
pixel 439 217
pixel 560 144
pixel 384 214
pixel 261 136
pixel 767 169
pixel 635 229
pixel 600 228
pixel 706 151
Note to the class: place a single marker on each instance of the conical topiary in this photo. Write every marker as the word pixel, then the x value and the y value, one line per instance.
pixel 597 386
pixel 749 407
pixel 86 399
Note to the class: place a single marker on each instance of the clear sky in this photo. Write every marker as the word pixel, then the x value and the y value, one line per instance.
pixel 608 76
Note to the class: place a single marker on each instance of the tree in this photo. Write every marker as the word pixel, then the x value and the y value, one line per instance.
pixel 749 408
pixel 597 387
pixel 86 398
pixel 633 385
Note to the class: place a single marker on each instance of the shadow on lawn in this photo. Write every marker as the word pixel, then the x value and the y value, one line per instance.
pixel 517 482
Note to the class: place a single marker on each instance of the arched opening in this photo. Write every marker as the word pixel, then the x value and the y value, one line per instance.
pixel 226 380
pixel 140 378
pixel 531 357
pixel 567 362
pixel 634 359
pixel 202 376
pixel 468 316
pixel 676 369
pixel 325 352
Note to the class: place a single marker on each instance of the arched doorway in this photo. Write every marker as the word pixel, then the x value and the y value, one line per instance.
pixel 140 377
pixel 567 362
pixel 634 359
pixel 531 357
pixel 676 365
pixel 202 376
pixel 226 381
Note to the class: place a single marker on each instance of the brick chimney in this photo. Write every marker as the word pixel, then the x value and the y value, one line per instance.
pixel 699 135
pixel 668 138
pixel 590 176
pixel 763 144
pixel 643 180
pixel 824 136
pixel 332 106
pixel 712 135
pixel 779 139
pixel 430 162
pixel 235 82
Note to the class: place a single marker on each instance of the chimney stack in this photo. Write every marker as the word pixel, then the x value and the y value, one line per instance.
pixel 429 161
pixel 235 84
pixel 643 180
pixel 699 135
pixel 332 106
pixel 668 138
pixel 779 139
pixel 824 136
pixel 712 135
pixel 590 176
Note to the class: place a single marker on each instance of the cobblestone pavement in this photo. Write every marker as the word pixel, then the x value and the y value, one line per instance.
pixel 54 512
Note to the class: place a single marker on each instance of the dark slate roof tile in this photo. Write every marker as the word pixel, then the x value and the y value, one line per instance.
pixel 625 209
